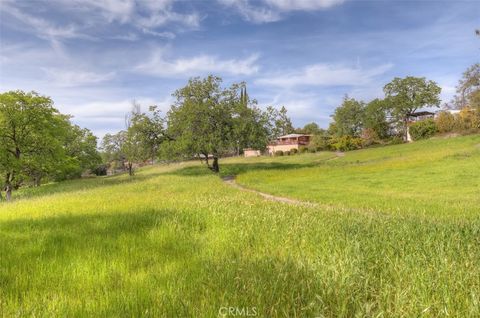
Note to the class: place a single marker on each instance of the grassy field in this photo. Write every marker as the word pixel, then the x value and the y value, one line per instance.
pixel 396 233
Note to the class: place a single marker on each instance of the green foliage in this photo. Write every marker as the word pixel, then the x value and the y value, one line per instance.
pixel 369 137
pixel 445 122
pixel 423 129
pixel 38 142
pixel 377 239
pixel 250 123
pixel 303 149
pixel 279 153
pixel 310 129
pixel 208 119
pixel 345 143
pixel 468 89
pixel 294 151
pixel 320 142
pixel 406 95
pixel 277 122
pixel 147 131
pixel 467 121
pixel 348 118
pixel 375 119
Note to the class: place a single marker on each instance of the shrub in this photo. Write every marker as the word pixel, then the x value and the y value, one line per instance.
pixel 396 140
pixel 319 142
pixel 423 129
pixel 346 143
pixel 369 137
pixel 278 153
pixel 312 149
pixel 101 170
pixel 286 153
pixel 294 151
pixel 467 120
pixel 445 122
pixel 303 149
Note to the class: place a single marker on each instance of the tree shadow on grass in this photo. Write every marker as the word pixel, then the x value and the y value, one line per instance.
pixel 152 261
pixel 233 169
pixel 58 236
pixel 81 185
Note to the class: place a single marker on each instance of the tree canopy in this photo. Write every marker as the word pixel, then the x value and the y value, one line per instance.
pixel 406 95
pixel 37 141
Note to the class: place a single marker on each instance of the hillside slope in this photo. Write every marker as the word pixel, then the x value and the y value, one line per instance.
pixel 176 241
pixel 438 177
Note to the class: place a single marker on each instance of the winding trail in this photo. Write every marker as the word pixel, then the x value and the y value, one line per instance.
pixel 230 180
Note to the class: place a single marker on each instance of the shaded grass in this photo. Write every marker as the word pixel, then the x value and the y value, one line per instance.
pixel 177 242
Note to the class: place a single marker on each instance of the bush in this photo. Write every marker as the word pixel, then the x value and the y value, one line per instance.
pixel 312 149
pixel 303 149
pixel 445 122
pixel 278 153
pixel 468 120
pixel 346 143
pixel 396 140
pixel 423 129
pixel 369 137
pixel 319 142
pixel 286 153
pixel 294 151
pixel 101 170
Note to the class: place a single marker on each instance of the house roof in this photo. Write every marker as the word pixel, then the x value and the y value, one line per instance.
pixel 292 136
pixel 422 113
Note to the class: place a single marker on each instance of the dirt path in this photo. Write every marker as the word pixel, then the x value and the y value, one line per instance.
pixel 230 180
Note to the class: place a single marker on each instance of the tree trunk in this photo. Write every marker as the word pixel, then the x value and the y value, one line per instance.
pixel 130 169
pixel 8 192
pixel 8 186
pixel 36 181
pixel 215 167
pixel 206 159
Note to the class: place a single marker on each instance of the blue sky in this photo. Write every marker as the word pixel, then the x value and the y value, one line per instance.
pixel 93 57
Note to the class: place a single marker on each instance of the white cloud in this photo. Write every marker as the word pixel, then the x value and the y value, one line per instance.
pixel 103 110
pixel 305 5
pixel 159 66
pixel 324 75
pixel 266 11
pixel 166 35
pixel 72 78
pixel 144 15
pixel 252 13
pixel 150 17
pixel 42 28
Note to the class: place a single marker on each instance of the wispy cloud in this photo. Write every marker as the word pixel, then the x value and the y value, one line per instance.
pixel 266 11
pixel 73 78
pixel 42 28
pixel 159 66
pixel 304 5
pixel 324 75
pixel 146 16
pixel 91 16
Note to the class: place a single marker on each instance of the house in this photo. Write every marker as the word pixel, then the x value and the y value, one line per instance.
pixel 288 142
pixel 417 116
pixel 250 152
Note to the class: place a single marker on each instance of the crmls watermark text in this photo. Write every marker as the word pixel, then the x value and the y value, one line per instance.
pixel 237 311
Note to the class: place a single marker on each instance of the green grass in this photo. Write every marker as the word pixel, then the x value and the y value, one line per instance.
pixel 396 234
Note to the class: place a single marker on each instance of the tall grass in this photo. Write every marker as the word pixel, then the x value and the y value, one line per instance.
pixel 176 241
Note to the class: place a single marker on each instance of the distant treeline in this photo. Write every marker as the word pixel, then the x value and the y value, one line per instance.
pixel 208 121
